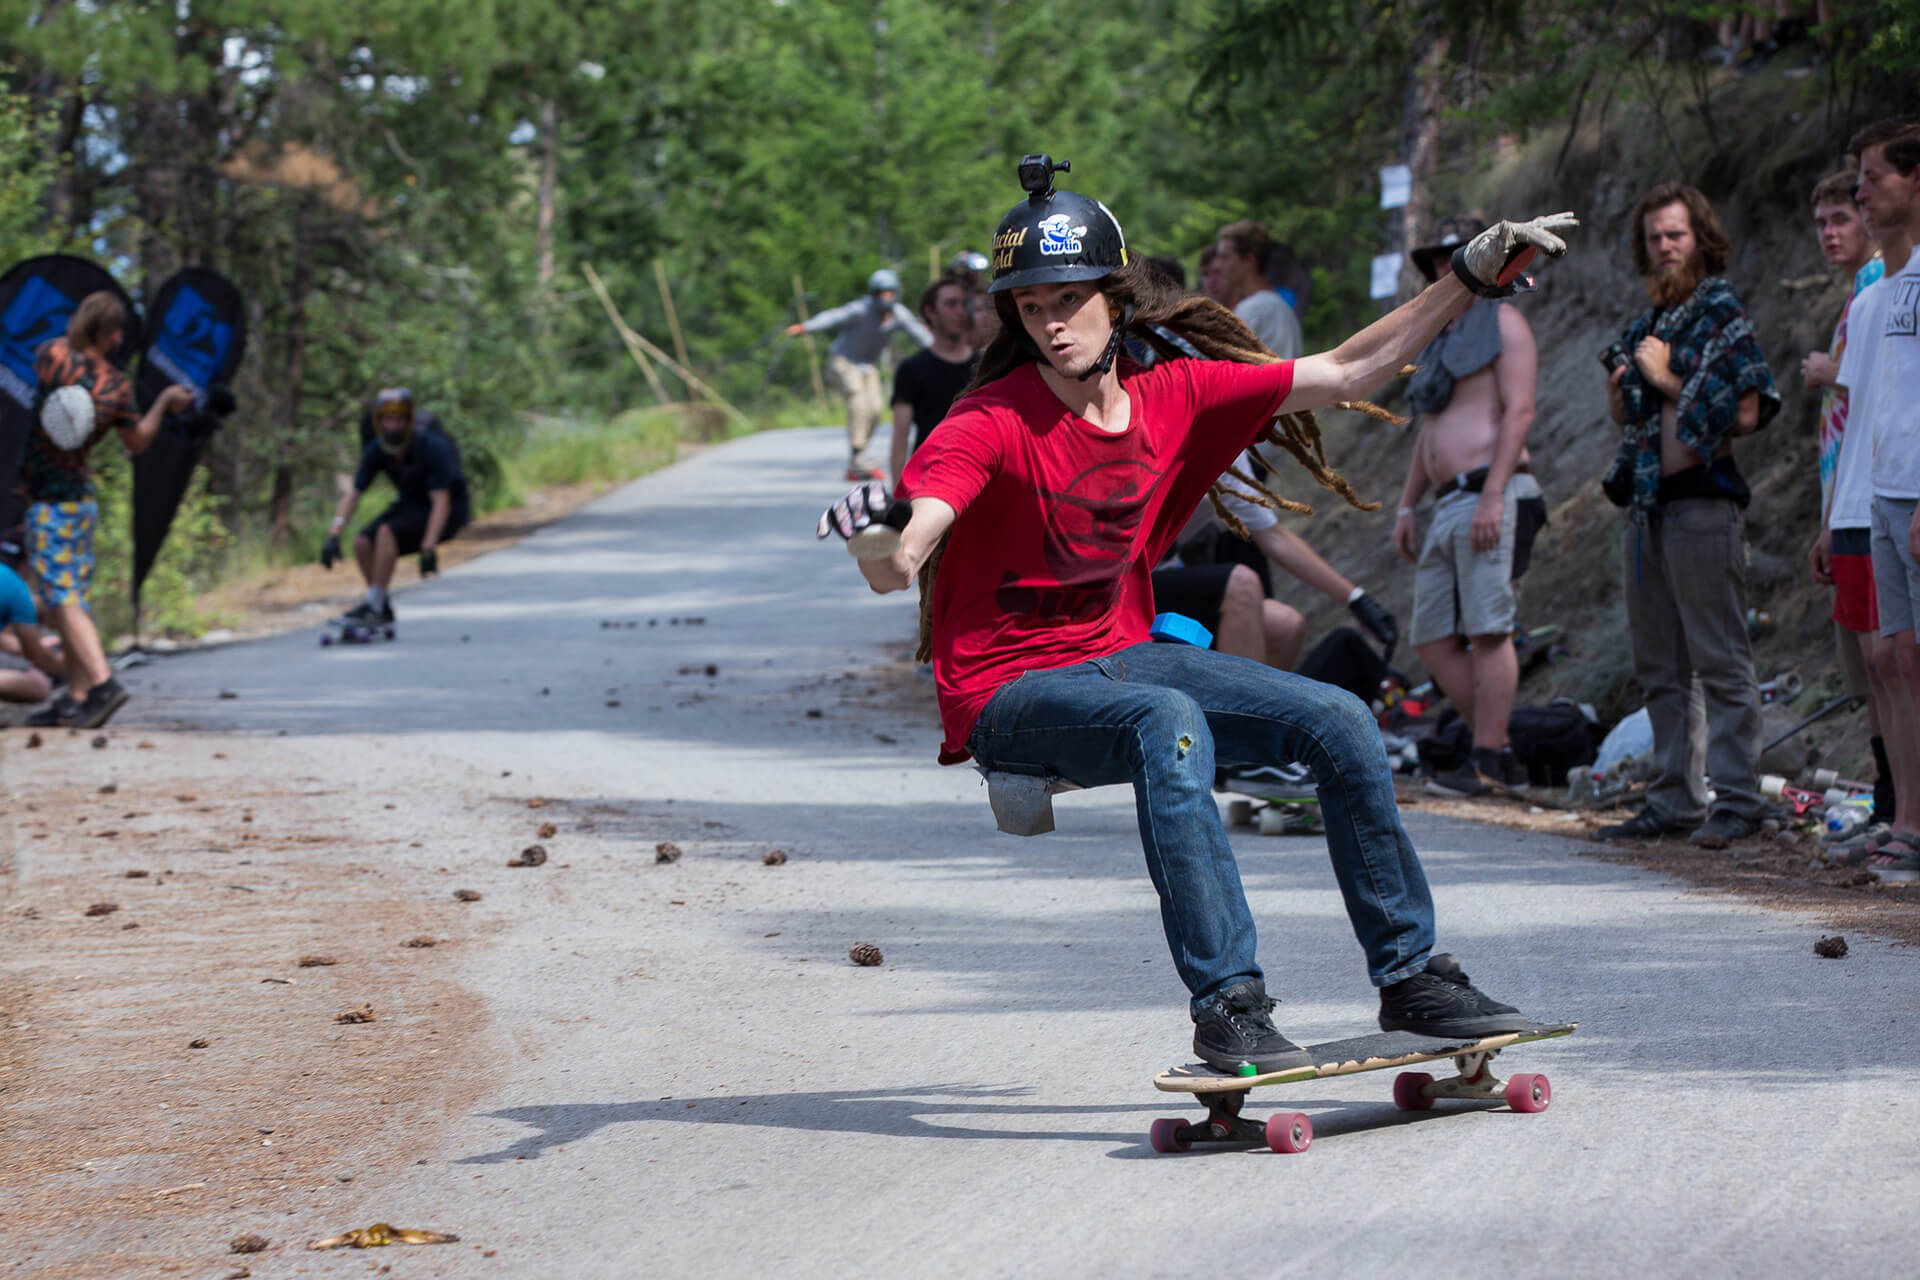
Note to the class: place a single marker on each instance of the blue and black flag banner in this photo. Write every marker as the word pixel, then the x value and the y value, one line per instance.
pixel 197 337
pixel 37 297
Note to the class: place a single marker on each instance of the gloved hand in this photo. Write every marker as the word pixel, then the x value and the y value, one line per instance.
pixel 330 551
pixel 429 562
pixel 1491 263
pixel 1377 619
pixel 864 505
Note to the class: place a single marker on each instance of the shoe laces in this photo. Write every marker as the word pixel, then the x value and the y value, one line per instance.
pixel 1248 1014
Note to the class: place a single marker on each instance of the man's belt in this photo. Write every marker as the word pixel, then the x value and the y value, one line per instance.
pixel 1472 481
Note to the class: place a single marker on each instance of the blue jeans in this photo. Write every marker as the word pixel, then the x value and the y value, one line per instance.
pixel 1161 716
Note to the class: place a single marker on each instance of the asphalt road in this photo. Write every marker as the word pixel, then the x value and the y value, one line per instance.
pixel 684 1075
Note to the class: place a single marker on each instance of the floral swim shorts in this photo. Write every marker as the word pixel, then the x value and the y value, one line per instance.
pixel 60 550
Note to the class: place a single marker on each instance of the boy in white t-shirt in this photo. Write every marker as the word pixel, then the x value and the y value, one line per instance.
pixel 1882 366
pixel 1842 554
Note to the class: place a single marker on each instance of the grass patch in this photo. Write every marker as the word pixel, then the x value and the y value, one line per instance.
pixel 573 452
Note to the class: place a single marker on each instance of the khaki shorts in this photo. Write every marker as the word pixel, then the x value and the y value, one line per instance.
pixel 1896 574
pixel 1458 591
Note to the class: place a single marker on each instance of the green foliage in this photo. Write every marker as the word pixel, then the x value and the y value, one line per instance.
pixel 1890 43
pixel 26 171
pixel 570 452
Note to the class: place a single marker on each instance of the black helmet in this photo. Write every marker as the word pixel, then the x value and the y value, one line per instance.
pixel 1052 237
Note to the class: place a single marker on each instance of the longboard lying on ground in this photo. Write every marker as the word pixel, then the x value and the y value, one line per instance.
pixel 1222 1092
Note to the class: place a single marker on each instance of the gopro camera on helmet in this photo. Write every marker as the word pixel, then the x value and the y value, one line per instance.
pixel 1036 174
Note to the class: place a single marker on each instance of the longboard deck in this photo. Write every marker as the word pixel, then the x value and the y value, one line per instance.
pixel 1352 1056
pixel 355 633
pixel 1270 793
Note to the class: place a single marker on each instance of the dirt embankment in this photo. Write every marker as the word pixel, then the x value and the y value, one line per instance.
pixel 1770 149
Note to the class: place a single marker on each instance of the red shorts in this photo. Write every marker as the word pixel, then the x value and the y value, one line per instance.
pixel 1855 606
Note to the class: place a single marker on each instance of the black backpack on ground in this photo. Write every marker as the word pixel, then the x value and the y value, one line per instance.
pixel 1551 741
pixel 1345 659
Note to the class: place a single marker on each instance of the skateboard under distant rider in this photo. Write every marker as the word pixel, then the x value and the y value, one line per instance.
pixel 1054 487
pixel 430 504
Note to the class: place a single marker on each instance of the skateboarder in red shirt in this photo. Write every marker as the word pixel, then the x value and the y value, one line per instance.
pixel 1037 512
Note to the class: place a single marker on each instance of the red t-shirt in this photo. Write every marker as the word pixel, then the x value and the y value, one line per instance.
pixel 1060 523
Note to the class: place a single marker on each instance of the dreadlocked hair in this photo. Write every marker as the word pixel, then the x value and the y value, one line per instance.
pixel 1217 334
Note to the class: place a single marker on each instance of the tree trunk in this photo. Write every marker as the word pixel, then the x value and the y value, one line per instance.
pixel 549 179
pixel 1420 144
pixel 295 371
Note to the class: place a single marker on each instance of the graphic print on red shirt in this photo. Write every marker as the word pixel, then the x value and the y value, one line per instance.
pixel 1060 523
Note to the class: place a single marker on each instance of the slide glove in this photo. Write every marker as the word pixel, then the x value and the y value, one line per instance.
pixel 330 551
pixel 429 562
pixel 1492 263
pixel 865 505
pixel 1378 621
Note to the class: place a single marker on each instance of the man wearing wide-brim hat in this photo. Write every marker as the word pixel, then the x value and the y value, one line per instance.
pixel 1472 401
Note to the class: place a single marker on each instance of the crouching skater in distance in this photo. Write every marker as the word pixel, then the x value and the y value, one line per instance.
pixel 1034 518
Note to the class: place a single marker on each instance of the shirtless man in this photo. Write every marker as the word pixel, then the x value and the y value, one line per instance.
pixel 1473 401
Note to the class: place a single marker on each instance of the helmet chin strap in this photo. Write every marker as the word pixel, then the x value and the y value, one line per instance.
pixel 1105 362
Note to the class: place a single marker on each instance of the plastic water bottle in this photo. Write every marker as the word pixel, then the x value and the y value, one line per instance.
pixel 1844 817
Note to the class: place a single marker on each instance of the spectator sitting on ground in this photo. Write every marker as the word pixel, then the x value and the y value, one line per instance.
pixel 19 632
pixel 1222 580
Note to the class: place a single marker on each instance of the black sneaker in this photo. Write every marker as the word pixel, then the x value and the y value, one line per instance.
pixel 385 616
pixel 1513 774
pixel 1484 772
pixel 57 714
pixel 1644 825
pixel 361 615
pixel 101 702
pixel 1721 829
pixel 1442 1002
pixel 1237 1027
pixel 1463 782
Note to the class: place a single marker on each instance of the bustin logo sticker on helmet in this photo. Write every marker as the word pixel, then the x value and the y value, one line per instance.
pixel 1059 235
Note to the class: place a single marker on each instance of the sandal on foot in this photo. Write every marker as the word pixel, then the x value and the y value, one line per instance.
pixel 1856 849
pixel 1898 854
